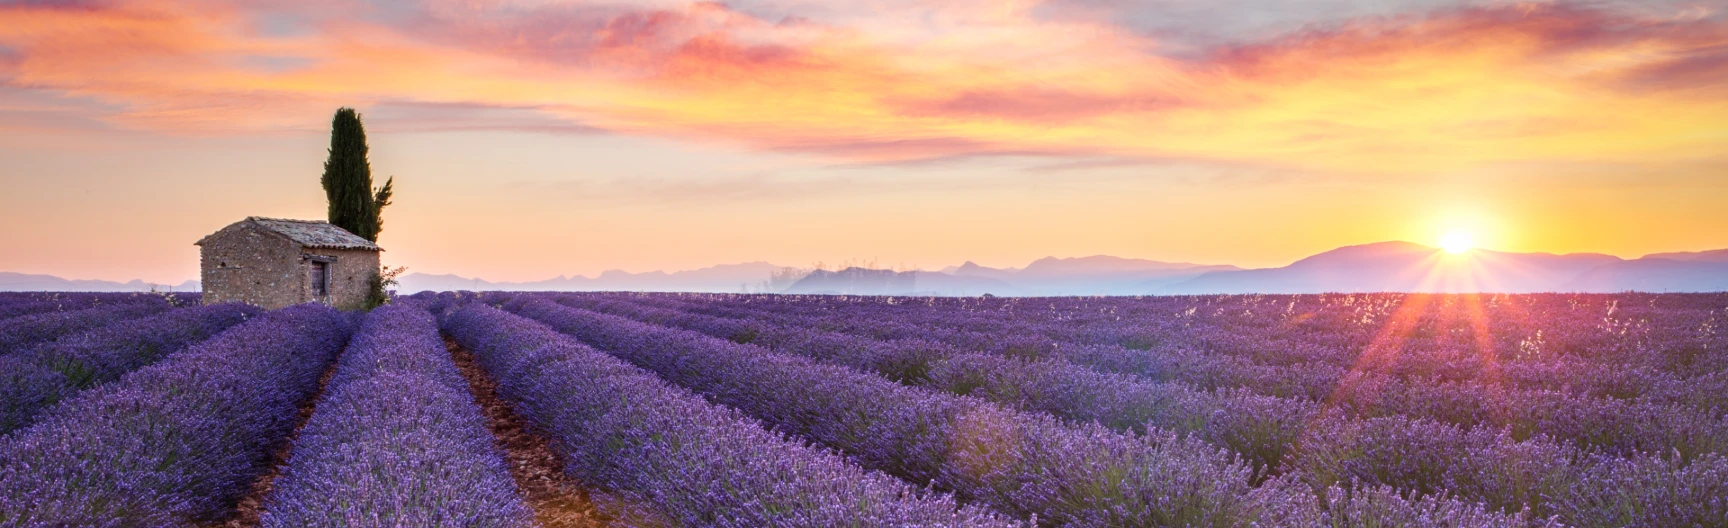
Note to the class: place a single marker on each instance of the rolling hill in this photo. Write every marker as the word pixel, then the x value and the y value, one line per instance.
pixel 1408 267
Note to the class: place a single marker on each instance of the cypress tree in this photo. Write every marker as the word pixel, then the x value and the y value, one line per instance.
pixel 353 204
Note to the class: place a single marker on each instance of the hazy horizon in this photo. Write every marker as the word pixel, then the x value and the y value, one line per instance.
pixel 861 263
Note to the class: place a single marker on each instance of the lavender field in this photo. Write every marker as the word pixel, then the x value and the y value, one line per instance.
pixel 629 409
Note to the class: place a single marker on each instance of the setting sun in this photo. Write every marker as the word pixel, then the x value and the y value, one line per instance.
pixel 1457 242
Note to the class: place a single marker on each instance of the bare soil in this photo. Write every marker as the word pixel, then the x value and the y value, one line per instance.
pixel 558 500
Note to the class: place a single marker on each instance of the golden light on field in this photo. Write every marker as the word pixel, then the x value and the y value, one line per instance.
pixel 770 131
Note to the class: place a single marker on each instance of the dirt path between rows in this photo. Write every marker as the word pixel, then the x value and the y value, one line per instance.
pixel 251 509
pixel 558 501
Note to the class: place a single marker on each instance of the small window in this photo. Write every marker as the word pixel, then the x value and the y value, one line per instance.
pixel 320 279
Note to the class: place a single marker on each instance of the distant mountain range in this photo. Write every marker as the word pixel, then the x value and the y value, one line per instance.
pixel 1717 256
pixel 1407 267
pixel 862 281
pixel 1384 266
pixel 1677 272
pixel 31 282
pixel 1095 275
pixel 728 278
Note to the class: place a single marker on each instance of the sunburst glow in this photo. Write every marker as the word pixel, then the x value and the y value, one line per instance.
pixel 1457 242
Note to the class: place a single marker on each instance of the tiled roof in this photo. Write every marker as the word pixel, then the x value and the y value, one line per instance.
pixel 313 233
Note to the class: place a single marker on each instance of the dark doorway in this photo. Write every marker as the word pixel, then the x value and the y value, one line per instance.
pixel 320 279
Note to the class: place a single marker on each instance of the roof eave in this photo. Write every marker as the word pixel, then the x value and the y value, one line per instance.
pixel 373 248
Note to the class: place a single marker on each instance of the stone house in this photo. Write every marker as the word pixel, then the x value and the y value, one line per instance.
pixel 274 263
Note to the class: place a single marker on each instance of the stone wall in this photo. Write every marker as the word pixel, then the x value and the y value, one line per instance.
pixel 257 266
pixel 350 275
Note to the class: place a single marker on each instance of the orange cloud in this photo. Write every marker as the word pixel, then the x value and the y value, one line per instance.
pixel 1439 91
pixel 1038 104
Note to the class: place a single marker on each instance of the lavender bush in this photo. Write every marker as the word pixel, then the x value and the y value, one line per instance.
pixel 15 304
pixel 1649 491
pixel 33 380
pixel 1431 367
pixel 624 430
pixel 1261 429
pixel 1342 410
pixel 1255 427
pixel 1021 463
pixel 1498 400
pixel 396 440
pixel 174 443
pixel 19 333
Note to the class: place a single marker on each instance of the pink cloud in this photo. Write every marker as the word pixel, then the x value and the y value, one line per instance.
pixel 1671 48
pixel 1703 69
pixel 974 82
pixel 1037 105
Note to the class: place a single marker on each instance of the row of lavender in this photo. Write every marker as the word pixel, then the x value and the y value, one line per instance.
pixel 1023 464
pixel 175 442
pixel 1379 383
pixel 1616 425
pixel 1483 464
pixel 30 320
pixel 397 440
pixel 53 345
pixel 1621 346
pixel 628 432
pixel 397 429
pixel 35 379
pixel 1341 324
pixel 15 304
pixel 1573 323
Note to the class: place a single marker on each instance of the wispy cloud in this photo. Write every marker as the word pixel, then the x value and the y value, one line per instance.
pixel 1359 88
pixel 416 116
pixel 1038 104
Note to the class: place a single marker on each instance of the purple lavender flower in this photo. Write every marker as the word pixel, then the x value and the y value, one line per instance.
pixel 625 430
pixel 33 380
pixel 396 440
pixel 175 442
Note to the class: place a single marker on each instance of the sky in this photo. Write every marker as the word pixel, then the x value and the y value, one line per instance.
pixel 532 138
